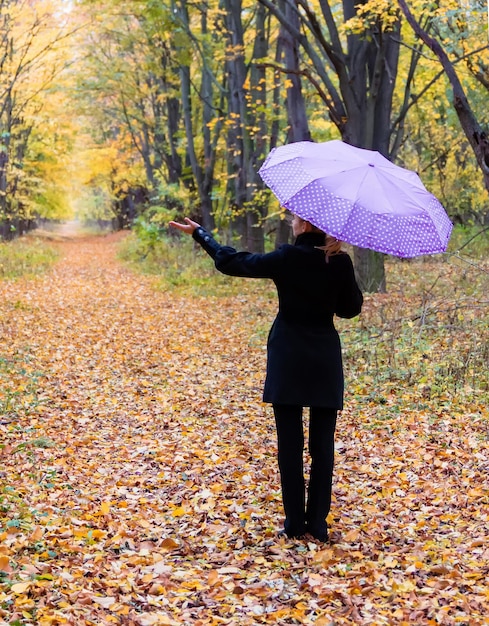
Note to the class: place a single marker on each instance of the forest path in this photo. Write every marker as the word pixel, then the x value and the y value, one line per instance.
pixel 127 430
pixel 138 479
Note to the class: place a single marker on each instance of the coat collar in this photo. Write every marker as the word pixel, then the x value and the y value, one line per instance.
pixel 310 239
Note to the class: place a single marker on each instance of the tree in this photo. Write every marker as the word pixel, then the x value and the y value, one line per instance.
pixel 476 135
pixel 32 37
pixel 350 56
pixel 124 87
pixel 247 128
pixel 208 100
pixel 196 94
pixel 229 104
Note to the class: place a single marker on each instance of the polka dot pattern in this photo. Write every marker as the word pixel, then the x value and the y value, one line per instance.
pixel 359 197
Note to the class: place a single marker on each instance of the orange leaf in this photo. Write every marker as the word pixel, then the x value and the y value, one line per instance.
pixel 4 564
pixel 36 534
pixel 213 577
pixel 352 535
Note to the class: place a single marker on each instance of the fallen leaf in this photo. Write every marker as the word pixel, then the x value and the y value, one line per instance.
pixel 19 588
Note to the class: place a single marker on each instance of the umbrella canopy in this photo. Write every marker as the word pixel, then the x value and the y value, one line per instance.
pixel 358 196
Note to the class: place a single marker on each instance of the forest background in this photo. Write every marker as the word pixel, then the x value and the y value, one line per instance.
pixel 134 113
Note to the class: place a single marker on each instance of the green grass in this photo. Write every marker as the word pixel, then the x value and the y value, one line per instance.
pixel 470 241
pixel 429 333
pixel 25 257
pixel 19 382
pixel 179 264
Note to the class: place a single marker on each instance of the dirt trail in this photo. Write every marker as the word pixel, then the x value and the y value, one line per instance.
pixel 128 442
pixel 138 480
pixel 95 332
pixel 116 357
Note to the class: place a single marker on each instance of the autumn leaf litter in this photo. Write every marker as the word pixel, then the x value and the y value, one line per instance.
pixel 138 471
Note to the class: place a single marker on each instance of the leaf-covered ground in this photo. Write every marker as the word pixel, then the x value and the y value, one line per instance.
pixel 137 464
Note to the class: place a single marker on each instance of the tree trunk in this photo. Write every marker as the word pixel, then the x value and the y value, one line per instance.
pixel 296 107
pixel 369 270
pixel 361 108
pixel 298 125
pixel 185 81
pixel 237 147
pixel 368 102
pixel 247 129
pixel 255 133
pixel 6 127
pixel 283 234
pixel 169 113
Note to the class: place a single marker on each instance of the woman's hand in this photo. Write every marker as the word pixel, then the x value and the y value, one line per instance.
pixel 187 228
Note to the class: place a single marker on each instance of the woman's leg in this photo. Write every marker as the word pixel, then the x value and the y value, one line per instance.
pixel 322 426
pixel 290 438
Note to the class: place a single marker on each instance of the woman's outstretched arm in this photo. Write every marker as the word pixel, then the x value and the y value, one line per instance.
pixel 201 236
pixel 228 260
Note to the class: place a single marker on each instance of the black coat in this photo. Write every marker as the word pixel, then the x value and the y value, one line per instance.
pixel 304 365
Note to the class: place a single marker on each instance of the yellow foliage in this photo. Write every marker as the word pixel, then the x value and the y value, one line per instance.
pixel 368 13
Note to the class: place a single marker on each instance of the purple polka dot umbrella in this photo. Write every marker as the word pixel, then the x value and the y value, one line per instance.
pixel 358 196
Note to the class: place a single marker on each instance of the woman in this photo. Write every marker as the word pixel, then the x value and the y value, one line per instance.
pixel 314 280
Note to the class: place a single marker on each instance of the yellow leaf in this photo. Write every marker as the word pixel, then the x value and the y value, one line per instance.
pixel 123 610
pixel 324 621
pixel 105 508
pixel 178 512
pixel 20 587
pixel 324 556
pixel 403 586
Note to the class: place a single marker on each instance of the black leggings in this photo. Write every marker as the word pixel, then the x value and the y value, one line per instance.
pixel 299 516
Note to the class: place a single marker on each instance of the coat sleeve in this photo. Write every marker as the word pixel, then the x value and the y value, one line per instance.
pixel 233 263
pixel 350 298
